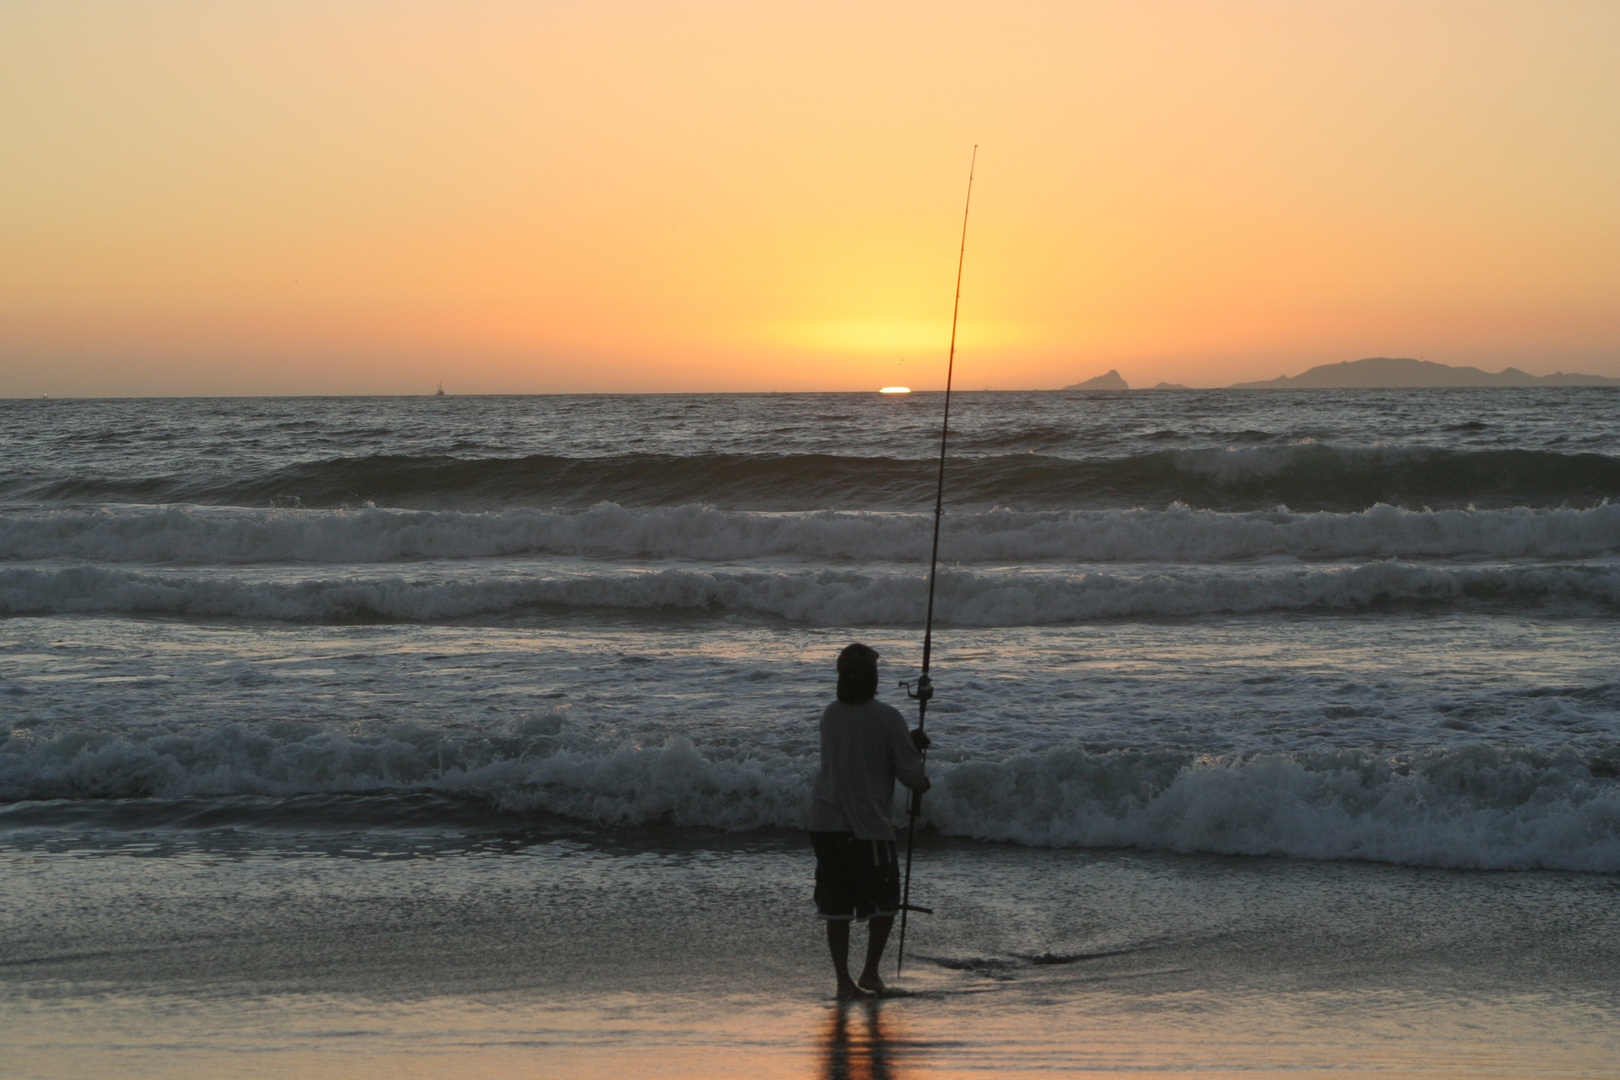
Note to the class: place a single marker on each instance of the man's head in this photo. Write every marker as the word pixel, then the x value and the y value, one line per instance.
pixel 857 674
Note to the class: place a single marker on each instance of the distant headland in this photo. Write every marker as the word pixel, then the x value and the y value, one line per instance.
pixel 1379 373
pixel 1390 372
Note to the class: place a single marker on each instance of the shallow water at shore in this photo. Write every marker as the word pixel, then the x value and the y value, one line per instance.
pixel 175 953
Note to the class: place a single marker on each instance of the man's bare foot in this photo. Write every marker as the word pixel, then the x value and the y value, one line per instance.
pixel 849 991
pixel 869 981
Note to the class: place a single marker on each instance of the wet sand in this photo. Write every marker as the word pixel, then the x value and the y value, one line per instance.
pixel 388 955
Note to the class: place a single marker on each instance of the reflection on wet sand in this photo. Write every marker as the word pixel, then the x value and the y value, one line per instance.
pixel 862 1050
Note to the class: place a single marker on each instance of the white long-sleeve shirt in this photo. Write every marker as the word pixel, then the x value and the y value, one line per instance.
pixel 864 749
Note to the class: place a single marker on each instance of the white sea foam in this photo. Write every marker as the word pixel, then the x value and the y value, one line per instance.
pixel 1474 807
pixel 1014 597
pixel 189 535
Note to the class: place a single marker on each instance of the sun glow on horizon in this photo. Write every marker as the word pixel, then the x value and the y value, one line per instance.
pixel 895 390
pixel 311 198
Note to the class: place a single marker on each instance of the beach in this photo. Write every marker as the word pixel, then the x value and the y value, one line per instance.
pixel 399 955
pixel 1277 733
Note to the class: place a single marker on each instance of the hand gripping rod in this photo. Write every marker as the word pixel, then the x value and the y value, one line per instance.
pixel 925 686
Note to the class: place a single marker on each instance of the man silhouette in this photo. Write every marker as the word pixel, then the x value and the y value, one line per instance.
pixel 864 748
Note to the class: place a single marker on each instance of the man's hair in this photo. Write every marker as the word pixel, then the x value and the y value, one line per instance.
pixel 857 673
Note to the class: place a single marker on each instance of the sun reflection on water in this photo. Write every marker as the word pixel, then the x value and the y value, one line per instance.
pixel 865 1051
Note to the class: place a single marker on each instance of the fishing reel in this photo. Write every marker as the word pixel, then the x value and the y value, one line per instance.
pixel 924 691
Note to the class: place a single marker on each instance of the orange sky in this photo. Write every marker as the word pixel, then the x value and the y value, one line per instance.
pixel 340 197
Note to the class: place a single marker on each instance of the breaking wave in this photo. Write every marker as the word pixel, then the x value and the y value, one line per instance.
pixel 1471 807
pixel 1306 477
pixel 200 536
pixel 990 597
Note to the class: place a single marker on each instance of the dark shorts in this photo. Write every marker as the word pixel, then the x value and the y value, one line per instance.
pixel 855 879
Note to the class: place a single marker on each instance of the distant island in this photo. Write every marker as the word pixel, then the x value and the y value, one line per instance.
pixel 1395 373
pixel 1110 381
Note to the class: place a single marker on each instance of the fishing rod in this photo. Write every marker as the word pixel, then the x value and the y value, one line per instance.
pixel 925 685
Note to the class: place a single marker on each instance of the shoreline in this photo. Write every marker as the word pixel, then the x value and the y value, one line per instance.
pixel 570 958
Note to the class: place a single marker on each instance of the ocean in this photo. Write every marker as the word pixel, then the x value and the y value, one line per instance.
pixel 348 731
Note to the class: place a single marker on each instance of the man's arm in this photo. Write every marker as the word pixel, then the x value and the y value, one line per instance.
pixel 908 763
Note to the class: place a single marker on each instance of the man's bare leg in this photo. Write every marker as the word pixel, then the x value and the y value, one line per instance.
pixel 838 945
pixel 878 928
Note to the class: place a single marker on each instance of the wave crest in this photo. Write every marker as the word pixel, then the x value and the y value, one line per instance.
pixel 1474 807
pixel 1306 477
pixel 817 597
pixel 201 536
